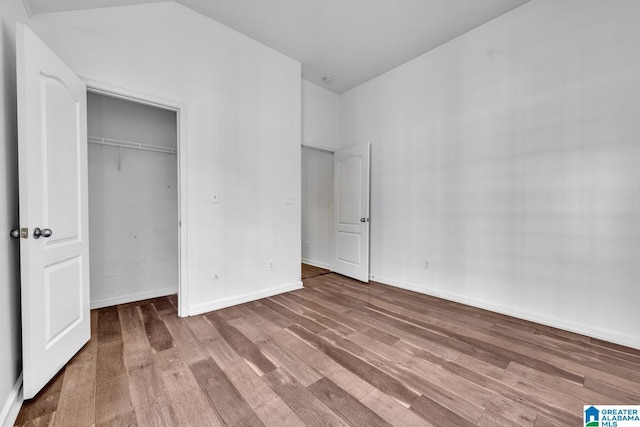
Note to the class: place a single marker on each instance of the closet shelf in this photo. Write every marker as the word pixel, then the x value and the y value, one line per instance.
pixel 132 145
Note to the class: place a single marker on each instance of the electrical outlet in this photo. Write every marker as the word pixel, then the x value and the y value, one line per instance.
pixel 288 199
pixel 426 264
pixel 306 245
pixel 270 265
pixel 216 274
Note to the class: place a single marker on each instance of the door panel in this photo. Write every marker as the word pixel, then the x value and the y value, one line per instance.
pixel 350 255
pixel 349 172
pixel 60 163
pixel 349 247
pixel 52 159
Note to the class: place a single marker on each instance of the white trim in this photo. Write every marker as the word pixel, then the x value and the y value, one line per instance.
pixel 27 8
pixel 613 337
pixel 321 150
pixel 318 264
pixel 131 95
pixel 228 302
pixel 137 296
pixel 13 404
pixel 181 116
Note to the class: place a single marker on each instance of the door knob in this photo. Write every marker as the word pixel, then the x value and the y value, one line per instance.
pixel 45 232
pixel 363 219
pixel 17 233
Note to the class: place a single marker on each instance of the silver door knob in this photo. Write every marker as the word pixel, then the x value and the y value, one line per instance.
pixel 363 219
pixel 45 232
pixel 20 233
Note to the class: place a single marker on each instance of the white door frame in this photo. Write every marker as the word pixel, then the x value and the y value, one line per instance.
pixel 330 151
pixel 180 109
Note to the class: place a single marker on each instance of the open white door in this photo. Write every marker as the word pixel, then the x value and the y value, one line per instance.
pixel 52 117
pixel 350 255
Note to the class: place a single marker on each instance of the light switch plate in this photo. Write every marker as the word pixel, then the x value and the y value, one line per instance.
pixel 215 197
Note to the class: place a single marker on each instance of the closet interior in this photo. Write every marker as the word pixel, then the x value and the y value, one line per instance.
pixel 133 200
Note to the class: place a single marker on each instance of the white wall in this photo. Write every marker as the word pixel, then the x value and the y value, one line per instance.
pixel 320 129
pixel 133 203
pixel 320 117
pixel 11 11
pixel 243 134
pixel 509 158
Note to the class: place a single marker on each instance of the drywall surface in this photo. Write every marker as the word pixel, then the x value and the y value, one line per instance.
pixel 317 202
pixel 320 117
pixel 133 202
pixel 243 127
pixel 12 11
pixel 509 159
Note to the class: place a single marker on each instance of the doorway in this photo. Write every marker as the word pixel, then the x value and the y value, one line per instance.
pixel 335 210
pixel 133 200
pixel 317 207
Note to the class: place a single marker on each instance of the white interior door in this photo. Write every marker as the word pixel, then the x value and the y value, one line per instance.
pixel 52 111
pixel 350 255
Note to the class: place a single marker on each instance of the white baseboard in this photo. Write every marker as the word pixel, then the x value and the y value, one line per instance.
pixel 318 264
pixel 606 335
pixel 12 406
pixel 228 302
pixel 138 296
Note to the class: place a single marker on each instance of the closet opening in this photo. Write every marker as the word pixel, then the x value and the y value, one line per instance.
pixel 316 210
pixel 134 200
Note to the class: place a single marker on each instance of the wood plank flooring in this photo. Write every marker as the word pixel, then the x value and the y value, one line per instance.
pixel 309 271
pixel 337 353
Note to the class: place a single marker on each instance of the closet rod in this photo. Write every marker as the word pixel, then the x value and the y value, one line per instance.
pixel 129 144
pixel 322 150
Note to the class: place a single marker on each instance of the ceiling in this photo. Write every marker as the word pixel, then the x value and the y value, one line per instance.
pixel 351 40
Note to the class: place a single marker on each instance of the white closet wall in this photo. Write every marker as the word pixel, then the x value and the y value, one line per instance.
pixel 133 202
pixel 317 202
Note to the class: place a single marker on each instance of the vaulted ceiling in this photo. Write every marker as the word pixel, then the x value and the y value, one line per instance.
pixel 350 40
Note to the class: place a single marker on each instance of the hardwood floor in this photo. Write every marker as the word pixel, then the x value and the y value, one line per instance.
pixel 309 271
pixel 337 352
